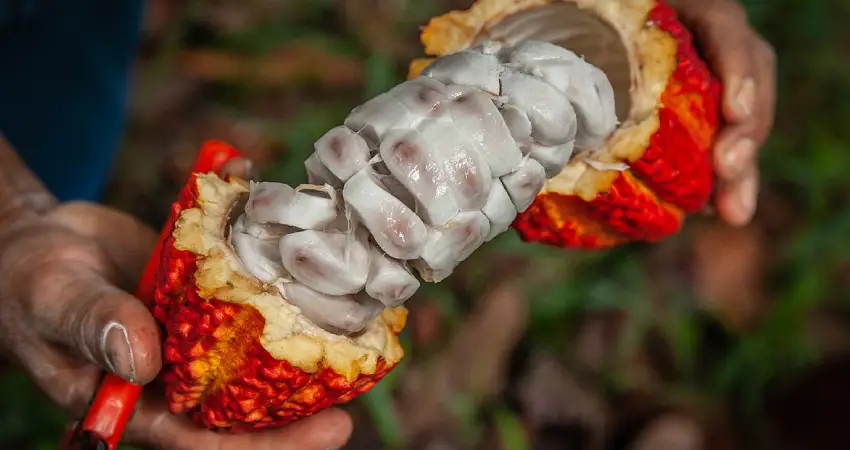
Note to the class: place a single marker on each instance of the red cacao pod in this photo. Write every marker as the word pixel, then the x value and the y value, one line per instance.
pixel 239 356
pixel 668 105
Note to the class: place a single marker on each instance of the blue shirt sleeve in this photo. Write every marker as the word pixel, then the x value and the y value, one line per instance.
pixel 63 87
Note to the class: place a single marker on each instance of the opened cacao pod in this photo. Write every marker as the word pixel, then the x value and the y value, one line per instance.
pixel 667 103
pixel 242 354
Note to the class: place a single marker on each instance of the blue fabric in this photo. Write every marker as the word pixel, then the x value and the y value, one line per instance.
pixel 64 72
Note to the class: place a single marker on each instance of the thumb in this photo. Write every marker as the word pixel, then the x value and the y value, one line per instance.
pixel 106 325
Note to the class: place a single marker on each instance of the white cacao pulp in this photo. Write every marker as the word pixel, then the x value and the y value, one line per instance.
pixel 420 177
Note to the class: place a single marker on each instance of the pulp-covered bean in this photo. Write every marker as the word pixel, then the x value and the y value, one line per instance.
pixel 342 151
pixel 467 68
pixel 394 226
pixel 329 262
pixel 450 245
pixel 553 119
pixel 308 207
pixel 390 281
pixel 342 314
pixel 317 173
pixel 552 158
pixel 373 119
pixel 518 123
pixel 475 114
pixel 260 257
pixel 500 210
pixel 525 183
pixel 422 96
pixel 467 174
pixel 414 161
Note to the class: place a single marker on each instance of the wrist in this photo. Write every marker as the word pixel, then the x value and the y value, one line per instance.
pixel 22 195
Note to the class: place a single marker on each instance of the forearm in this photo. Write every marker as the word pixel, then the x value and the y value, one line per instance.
pixel 22 195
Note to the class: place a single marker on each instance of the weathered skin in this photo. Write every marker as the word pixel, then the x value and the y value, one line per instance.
pixel 668 154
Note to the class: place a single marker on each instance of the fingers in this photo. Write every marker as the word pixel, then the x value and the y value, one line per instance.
pixel 745 64
pixel 736 200
pixel 239 167
pixel 117 332
pixel 153 425
pixel 69 382
pixel 736 150
pixel 98 321
pixel 127 241
pixel 748 108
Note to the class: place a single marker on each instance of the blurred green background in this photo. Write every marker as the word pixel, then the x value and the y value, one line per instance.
pixel 719 338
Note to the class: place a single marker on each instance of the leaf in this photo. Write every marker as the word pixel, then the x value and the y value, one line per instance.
pixel 27 415
pixel 381 74
pixel 511 432
pixel 381 407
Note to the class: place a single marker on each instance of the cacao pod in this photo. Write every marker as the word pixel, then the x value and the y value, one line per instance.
pixel 667 101
pixel 239 356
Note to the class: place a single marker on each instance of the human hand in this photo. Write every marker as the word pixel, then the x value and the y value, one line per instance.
pixel 65 315
pixel 746 65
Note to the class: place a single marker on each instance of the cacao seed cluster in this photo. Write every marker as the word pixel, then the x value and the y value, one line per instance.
pixel 419 177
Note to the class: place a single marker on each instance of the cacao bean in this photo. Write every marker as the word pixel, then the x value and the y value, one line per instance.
pixel 524 183
pixel 553 119
pixel 422 96
pixel 390 281
pixel 317 173
pixel 467 68
pixel 412 160
pixel 328 262
pixel 373 119
pixel 342 151
pixel 552 158
pixel 500 210
pixel 394 226
pixel 474 112
pixel 341 313
pixel 309 207
pixel 450 245
pixel 468 175
pixel 261 258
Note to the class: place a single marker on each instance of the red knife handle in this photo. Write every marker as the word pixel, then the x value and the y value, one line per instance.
pixel 113 404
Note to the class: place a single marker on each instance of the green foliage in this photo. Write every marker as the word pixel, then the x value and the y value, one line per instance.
pixel 511 431
pixel 27 416
pixel 380 405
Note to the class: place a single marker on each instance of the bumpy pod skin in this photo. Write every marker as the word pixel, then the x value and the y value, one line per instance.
pixel 237 357
pixel 666 140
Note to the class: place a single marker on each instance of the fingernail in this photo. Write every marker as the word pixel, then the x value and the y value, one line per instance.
pixel 737 157
pixel 115 345
pixel 744 99
pixel 745 199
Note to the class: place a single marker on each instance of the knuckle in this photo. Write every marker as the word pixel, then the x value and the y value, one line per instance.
pixel 724 12
pixel 735 10
pixel 77 396
pixel 768 52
